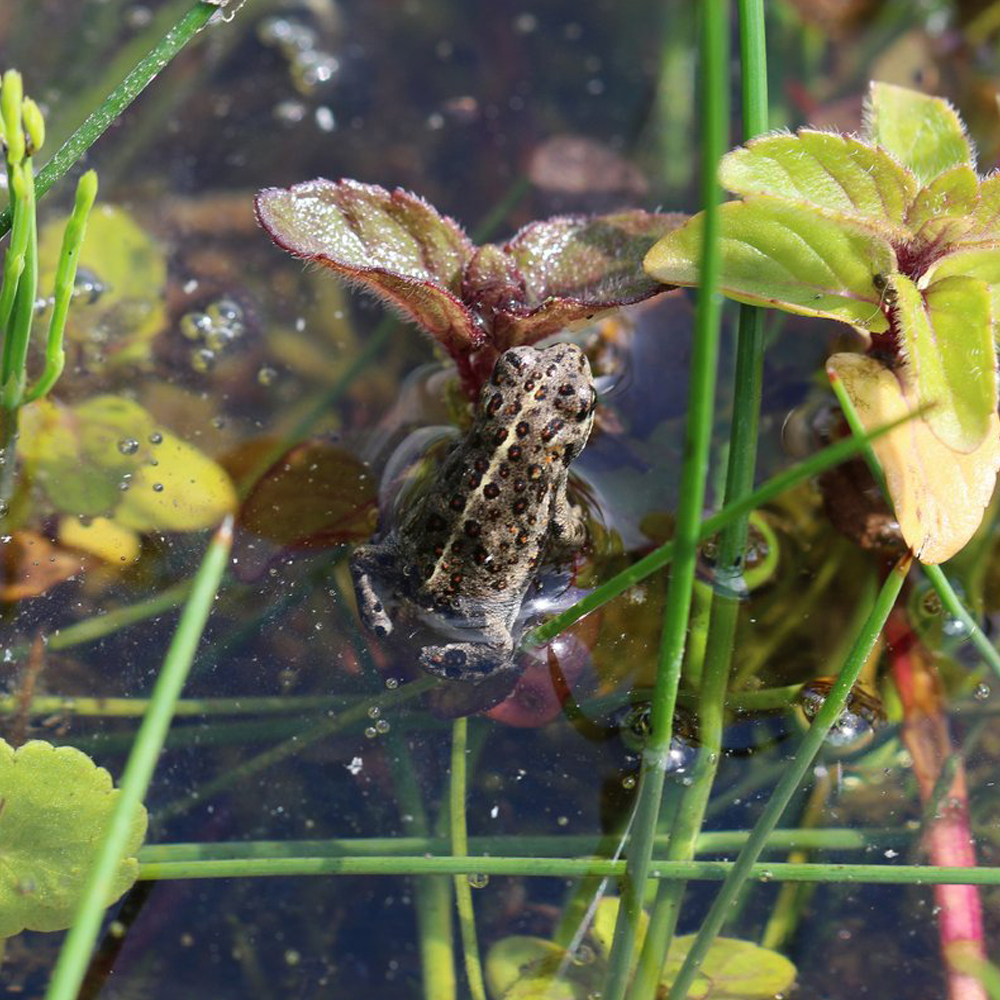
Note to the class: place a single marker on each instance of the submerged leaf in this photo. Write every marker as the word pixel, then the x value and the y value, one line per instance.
pixel 57 806
pixel 393 243
pixel 119 306
pixel 101 537
pixel 938 494
pixel 524 968
pixel 83 456
pixel 924 133
pixel 835 172
pixel 316 495
pixel 731 970
pixel 780 253
pixel 950 359
pixel 30 565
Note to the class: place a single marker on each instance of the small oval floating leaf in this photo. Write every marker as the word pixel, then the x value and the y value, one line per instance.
pixel 924 133
pixel 782 253
pixel 938 494
pixel 950 360
pixel 834 172
pixel 56 806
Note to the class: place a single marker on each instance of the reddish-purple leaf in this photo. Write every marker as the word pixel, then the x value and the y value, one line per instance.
pixel 392 243
pixel 576 266
pixel 316 495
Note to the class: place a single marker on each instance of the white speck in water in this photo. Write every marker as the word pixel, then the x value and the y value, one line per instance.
pixel 355 766
pixel 325 120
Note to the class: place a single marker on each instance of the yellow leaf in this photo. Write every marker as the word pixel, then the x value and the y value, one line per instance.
pixel 101 537
pixel 184 491
pixel 938 494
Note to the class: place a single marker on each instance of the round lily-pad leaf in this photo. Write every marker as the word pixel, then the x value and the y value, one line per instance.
pixel 732 970
pixel 55 807
pixel 526 968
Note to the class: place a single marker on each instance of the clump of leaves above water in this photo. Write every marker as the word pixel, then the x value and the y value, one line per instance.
pixel 475 301
pixel 896 234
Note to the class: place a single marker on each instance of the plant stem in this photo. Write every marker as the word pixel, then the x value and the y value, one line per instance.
pixel 99 120
pixel 703 871
pixel 725 604
pixel 460 848
pixel 521 845
pixel 714 46
pixel 75 953
pixel 791 778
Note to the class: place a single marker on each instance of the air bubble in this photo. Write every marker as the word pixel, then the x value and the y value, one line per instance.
pixel 266 375
pixel 982 692
pixel 128 446
pixel 202 360
pixel 478 880
pixel 194 325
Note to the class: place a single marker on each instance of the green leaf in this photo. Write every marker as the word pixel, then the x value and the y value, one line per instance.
pixel 524 968
pixel 942 210
pixel 56 806
pixel 732 970
pixel 938 494
pixel 127 273
pixel 924 133
pixel 947 343
pixel 82 456
pixel 974 262
pixel 986 216
pixel 576 266
pixel 834 172
pixel 393 243
pixel 794 257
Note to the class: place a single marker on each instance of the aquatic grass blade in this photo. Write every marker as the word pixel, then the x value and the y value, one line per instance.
pixel 102 117
pixel 460 848
pixel 792 777
pixel 714 39
pixel 725 605
pixel 69 255
pixel 76 950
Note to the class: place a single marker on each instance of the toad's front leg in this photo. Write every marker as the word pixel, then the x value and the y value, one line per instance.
pixel 370 566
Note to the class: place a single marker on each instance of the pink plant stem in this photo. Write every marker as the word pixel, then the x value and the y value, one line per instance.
pixel 948 839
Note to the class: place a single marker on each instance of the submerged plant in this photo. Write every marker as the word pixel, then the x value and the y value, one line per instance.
pixel 897 235
pixel 475 301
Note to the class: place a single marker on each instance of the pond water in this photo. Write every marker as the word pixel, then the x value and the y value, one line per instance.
pixel 205 354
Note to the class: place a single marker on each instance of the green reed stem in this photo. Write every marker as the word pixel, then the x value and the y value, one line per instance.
pixel 522 845
pixel 791 778
pixel 460 848
pixel 17 335
pixel 703 871
pixel 830 456
pixel 99 120
pixel 714 45
pixel 951 601
pixel 129 708
pixel 725 602
pixel 76 950
pixel 69 256
pixel 432 896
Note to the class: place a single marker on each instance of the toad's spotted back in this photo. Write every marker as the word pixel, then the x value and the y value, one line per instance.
pixel 470 544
